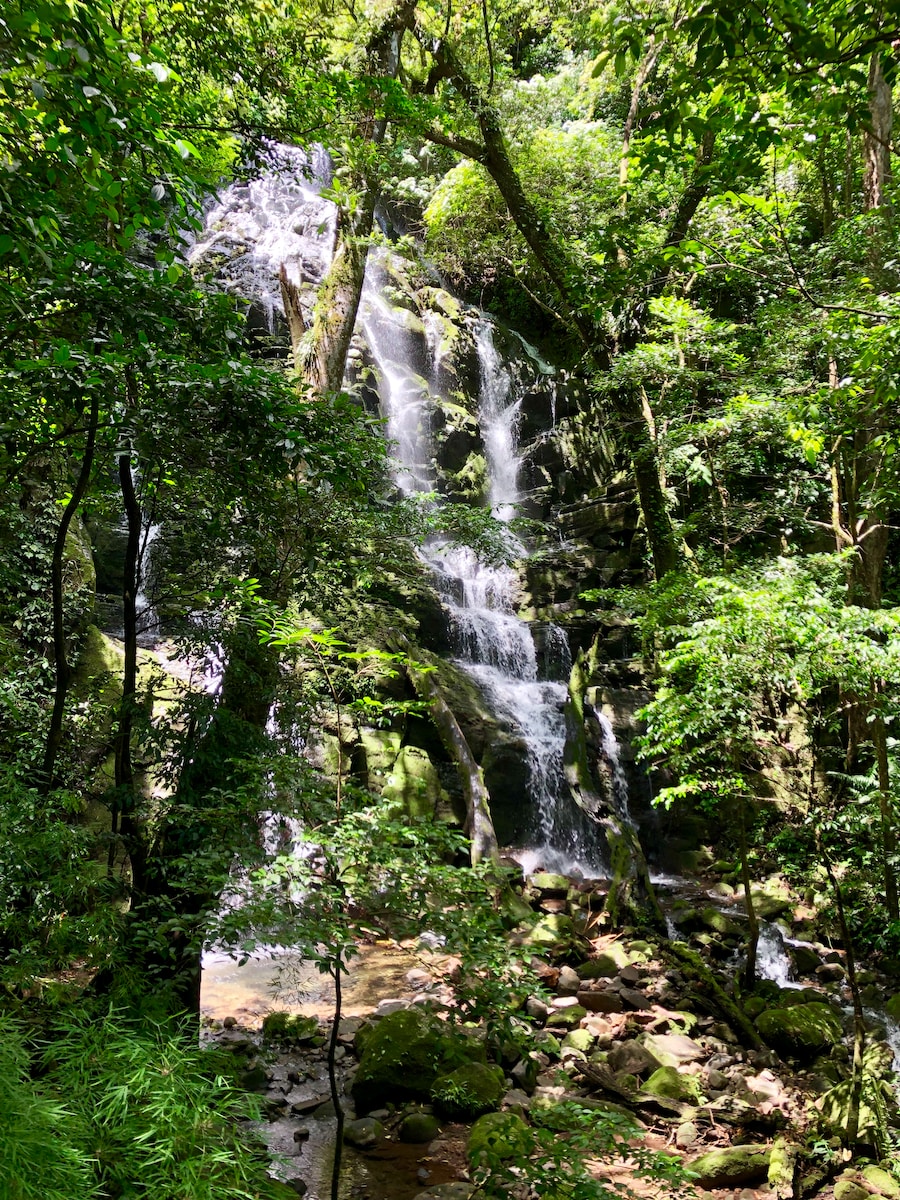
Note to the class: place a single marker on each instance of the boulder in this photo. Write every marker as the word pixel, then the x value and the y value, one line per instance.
pixel 417 1128
pixel 803 1032
pixel 553 935
pixel 633 1059
pixel 468 1092
pixel 884 1183
pixel 566 1018
pixel 600 1002
pixel 364 1133
pixel 672 1085
pixel 499 1135
pixel 672 1049
pixel 731 1166
pixel 607 964
pixel 403 1054
pixel 414 786
pixel 850 1189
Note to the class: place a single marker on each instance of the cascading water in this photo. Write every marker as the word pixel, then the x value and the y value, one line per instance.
pixel 280 220
pixel 492 644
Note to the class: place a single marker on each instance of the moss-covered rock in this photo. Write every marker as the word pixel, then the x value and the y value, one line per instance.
pixel 672 1084
pixel 413 786
pixel 402 1056
pixel 882 1181
pixel 850 1189
pixel 364 1134
pixel 417 1128
pixel 553 935
pixel 731 1166
pixel 468 1092
pixel 380 748
pixel 498 1135
pixel 566 1018
pixel 283 1027
pixel 803 1032
pixel 607 964
pixel 716 921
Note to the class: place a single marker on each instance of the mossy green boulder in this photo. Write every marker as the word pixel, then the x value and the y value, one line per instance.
pixel 731 1166
pixel 498 1135
pixel 552 935
pixel 804 1031
pixel 417 1128
pixel 672 1084
pixel 403 1054
pixel 882 1181
pixel 468 1092
pixel 566 1018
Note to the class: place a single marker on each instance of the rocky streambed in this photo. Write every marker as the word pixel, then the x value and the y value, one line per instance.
pixel 749 1093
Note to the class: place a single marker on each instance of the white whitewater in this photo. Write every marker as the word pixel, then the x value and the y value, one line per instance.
pixel 492 644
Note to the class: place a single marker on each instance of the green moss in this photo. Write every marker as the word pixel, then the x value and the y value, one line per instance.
pixel 672 1084
pixel 803 1031
pixel 499 1136
pixel 469 1091
pixel 413 786
pixel 402 1056
pixel 731 1166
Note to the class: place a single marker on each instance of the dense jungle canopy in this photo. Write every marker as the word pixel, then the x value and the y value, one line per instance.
pixel 687 210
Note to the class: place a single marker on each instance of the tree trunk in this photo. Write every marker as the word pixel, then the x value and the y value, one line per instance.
pixel 877 137
pixel 62 670
pixel 568 282
pixel 337 302
pixel 479 823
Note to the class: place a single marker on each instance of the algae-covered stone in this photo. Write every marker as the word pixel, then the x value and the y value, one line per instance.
pixel 381 748
pixel 364 1133
pixel 803 1032
pixel 566 1018
pixel 717 921
pixel 892 1008
pixel 553 934
pixel 417 1128
pixel 282 1027
pixel 579 1039
pixel 469 1091
pixel 671 1084
pixel 730 1166
pixel 499 1135
pixel 414 785
pixel 882 1181
pixel 607 964
pixel 549 885
pixel 403 1055
pixel 850 1189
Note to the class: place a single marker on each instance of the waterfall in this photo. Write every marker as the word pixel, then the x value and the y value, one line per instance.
pixel 491 643
pixel 280 219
